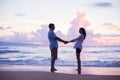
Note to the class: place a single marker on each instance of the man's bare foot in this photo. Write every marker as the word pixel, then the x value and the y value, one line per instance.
pixel 52 70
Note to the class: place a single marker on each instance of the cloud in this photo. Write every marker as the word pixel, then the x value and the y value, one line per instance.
pixel 33 21
pixel 103 4
pixel 107 40
pixel 8 27
pixel 4 28
pixel 79 21
pixel 18 37
pixel 20 14
pixel 111 26
pixel 93 39
pixel 40 36
pixel 110 29
pixel 1 28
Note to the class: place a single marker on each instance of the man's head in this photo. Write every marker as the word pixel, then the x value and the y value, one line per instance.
pixel 51 26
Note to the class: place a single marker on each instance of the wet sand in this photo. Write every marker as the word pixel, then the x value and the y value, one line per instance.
pixel 39 75
pixel 63 73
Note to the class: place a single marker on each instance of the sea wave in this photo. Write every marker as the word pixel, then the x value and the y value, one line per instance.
pixel 46 62
pixel 9 51
pixel 105 51
pixel 102 63
pixel 25 62
pixel 41 56
pixel 3 47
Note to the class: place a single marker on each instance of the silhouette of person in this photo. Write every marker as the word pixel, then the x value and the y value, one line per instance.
pixel 53 45
pixel 78 46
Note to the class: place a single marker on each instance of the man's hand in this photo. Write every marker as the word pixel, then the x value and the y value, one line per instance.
pixel 65 42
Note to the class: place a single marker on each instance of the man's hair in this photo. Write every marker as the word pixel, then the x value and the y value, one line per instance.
pixel 51 25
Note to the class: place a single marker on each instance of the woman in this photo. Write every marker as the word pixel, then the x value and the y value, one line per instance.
pixel 78 46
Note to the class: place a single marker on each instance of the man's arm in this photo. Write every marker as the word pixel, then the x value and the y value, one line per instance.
pixel 59 39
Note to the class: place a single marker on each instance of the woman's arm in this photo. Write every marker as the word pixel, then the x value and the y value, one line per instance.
pixel 71 41
pixel 79 37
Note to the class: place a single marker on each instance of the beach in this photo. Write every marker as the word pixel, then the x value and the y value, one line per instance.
pixel 63 73
pixel 33 63
pixel 64 69
pixel 39 75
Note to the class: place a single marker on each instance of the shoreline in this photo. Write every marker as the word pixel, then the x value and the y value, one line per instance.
pixel 26 72
pixel 63 69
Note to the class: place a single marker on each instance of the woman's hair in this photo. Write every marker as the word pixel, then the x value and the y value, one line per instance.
pixel 83 31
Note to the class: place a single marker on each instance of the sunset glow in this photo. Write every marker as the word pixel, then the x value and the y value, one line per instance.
pixel 26 21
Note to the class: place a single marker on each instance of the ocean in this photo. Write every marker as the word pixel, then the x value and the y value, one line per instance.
pixel 108 56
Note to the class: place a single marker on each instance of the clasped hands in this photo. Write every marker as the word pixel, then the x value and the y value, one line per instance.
pixel 65 42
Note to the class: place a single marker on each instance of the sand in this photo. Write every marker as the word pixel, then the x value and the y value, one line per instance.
pixel 64 69
pixel 63 73
pixel 39 75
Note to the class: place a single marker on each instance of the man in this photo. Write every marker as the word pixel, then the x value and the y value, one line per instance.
pixel 53 45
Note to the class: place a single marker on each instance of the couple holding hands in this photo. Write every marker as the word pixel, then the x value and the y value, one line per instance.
pixel 54 46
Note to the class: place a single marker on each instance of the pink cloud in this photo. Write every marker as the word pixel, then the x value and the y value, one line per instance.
pixel 4 28
pixel 1 28
pixel 110 29
pixel 40 36
pixel 111 26
pixel 80 21
pixel 103 41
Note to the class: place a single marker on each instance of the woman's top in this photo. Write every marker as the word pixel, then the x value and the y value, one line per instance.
pixel 79 40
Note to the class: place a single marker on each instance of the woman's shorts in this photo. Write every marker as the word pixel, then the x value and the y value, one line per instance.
pixel 78 50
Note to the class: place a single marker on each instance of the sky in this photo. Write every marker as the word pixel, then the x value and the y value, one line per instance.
pixel 26 21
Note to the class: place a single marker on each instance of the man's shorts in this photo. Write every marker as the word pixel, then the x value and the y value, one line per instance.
pixel 54 53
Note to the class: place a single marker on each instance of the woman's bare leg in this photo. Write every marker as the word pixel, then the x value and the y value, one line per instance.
pixel 78 62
